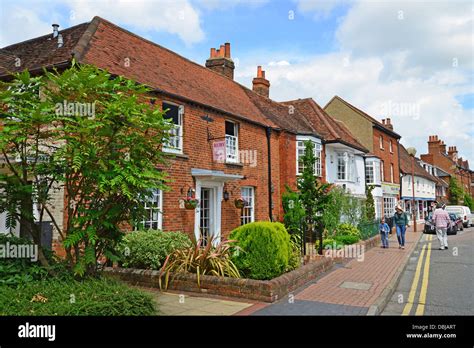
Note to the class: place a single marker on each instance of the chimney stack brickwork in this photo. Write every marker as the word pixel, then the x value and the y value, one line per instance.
pixel 260 84
pixel 220 61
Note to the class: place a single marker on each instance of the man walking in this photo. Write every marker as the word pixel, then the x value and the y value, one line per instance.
pixel 441 221
pixel 400 221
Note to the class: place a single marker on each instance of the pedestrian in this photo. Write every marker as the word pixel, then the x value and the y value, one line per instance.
pixel 441 221
pixel 400 220
pixel 384 230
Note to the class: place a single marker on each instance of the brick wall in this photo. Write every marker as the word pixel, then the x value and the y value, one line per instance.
pixel 385 155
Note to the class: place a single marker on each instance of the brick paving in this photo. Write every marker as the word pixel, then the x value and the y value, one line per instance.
pixel 378 268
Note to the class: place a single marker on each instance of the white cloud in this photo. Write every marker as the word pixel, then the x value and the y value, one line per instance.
pixel 389 67
pixel 25 20
pixel 174 16
pixel 319 8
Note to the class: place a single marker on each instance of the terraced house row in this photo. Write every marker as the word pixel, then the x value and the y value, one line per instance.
pixel 230 141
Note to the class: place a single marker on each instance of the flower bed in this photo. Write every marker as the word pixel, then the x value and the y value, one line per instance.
pixel 260 290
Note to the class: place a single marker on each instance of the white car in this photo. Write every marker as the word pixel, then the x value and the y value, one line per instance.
pixel 463 212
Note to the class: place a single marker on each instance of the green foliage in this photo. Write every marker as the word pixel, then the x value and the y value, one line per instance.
pixel 341 207
pixel 208 260
pixel 102 297
pixel 347 230
pixel 468 201
pixel 264 249
pixel 369 203
pixel 368 229
pixel 455 191
pixel 149 249
pixel 293 211
pixel 294 258
pixel 347 239
pixel 313 194
pixel 14 272
pixel 105 152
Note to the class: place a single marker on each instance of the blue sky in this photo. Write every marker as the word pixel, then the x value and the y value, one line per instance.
pixel 380 56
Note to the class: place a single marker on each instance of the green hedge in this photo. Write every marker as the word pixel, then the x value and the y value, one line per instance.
pixel 264 249
pixel 102 297
pixel 149 249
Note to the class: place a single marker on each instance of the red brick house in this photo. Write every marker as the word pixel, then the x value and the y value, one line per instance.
pixel 207 107
pixel 382 142
pixel 449 162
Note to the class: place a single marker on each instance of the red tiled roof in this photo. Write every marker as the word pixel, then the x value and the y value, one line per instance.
pixel 378 124
pixel 107 46
pixel 287 118
pixel 330 129
pixel 406 165
pixel 40 52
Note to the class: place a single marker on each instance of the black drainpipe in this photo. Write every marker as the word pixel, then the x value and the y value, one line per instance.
pixel 269 151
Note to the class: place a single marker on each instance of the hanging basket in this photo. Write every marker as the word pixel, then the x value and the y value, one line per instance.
pixel 191 204
pixel 239 203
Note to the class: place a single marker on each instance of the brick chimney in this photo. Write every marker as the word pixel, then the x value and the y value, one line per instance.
pixel 260 84
pixel 387 123
pixel 453 153
pixel 442 147
pixel 433 144
pixel 220 61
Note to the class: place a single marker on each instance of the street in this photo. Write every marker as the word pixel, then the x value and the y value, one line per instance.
pixel 437 282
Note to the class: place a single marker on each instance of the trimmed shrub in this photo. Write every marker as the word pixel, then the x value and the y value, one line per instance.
pixel 347 239
pixel 91 296
pixel 149 249
pixel 263 249
pixel 347 230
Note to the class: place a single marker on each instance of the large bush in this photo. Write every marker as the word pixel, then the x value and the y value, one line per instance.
pixel 264 249
pixel 149 249
pixel 347 234
pixel 103 297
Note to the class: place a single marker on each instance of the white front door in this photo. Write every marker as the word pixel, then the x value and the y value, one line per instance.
pixel 208 213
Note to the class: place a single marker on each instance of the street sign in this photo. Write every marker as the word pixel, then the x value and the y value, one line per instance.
pixel 218 151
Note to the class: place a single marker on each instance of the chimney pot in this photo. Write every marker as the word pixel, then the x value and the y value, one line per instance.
pixel 389 121
pixel 55 30
pixel 220 61
pixel 260 84
pixel 227 50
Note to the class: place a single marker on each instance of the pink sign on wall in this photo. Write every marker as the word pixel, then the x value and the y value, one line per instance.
pixel 218 151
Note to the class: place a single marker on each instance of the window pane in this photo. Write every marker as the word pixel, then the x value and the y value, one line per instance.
pixel 230 128
pixel 172 113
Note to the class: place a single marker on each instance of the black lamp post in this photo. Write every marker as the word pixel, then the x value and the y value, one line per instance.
pixel 412 152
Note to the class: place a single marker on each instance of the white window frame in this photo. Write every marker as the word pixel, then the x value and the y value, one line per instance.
pixel 248 194
pixel 318 150
pixel 178 129
pixel 389 204
pixel 232 144
pixel 348 159
pixel 391 173
pixel 382 171
pixel 375 167
pixel 381 142
pixel 157 193
pixel 390 145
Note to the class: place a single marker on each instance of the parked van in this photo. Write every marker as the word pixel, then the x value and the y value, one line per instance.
pixel 463 212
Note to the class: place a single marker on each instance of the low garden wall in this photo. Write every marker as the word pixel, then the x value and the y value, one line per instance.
pixel 260 290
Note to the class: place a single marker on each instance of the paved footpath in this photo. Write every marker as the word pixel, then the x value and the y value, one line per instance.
pixel 355 288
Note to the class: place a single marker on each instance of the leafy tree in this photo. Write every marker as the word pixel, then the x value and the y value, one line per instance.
pixel 91 134
pixel 468 201
pixel 313 194
pixel 455 191
pixel 294 211
pixel 369 203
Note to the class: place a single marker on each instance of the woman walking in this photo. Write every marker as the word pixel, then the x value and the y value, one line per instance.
pixel 400 221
